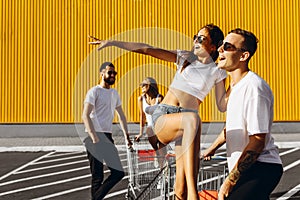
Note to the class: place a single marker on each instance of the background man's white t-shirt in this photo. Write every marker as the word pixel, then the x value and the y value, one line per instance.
pixel 105 102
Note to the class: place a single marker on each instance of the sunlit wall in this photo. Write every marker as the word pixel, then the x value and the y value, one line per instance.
pixel 47 65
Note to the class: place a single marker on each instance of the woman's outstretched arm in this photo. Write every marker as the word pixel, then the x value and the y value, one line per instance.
pixel 137 47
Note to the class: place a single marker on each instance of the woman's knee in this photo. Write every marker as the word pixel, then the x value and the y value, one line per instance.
pixel 191 120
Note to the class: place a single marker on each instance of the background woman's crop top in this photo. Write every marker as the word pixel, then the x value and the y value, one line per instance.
pixel 196 79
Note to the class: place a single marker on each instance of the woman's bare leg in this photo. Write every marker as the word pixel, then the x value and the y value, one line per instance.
pixel 180 183
pixel 159 147
pixel 191 148
pixel 152 138
pixel 185 125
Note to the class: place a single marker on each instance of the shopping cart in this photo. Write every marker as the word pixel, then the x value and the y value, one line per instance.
pixel 146 173
pixel 211 176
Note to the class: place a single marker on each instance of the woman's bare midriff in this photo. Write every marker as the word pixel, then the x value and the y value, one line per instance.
pixel 177 97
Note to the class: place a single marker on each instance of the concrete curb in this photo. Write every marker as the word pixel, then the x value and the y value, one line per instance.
pixel 73 130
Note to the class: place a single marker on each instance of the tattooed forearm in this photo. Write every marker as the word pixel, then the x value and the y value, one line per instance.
pixel 234 176
pixel 246 160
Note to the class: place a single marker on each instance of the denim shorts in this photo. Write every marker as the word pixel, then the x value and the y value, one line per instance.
pixel 164 109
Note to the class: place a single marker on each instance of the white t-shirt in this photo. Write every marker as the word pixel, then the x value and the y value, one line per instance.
pixel 196 79
pixel 105 102
pixel 147 107
pixel 249 112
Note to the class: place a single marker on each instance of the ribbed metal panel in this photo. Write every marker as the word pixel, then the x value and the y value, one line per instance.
pixel 47 65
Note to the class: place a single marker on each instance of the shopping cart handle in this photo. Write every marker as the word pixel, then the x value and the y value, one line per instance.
pixel 218 158
pixel 131 149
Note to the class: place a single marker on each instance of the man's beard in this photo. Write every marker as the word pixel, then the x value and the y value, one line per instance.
pixel 109 81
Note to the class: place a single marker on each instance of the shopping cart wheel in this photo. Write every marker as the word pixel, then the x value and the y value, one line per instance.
pixel 129 195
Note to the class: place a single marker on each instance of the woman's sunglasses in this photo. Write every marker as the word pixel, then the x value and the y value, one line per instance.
pixel 199 38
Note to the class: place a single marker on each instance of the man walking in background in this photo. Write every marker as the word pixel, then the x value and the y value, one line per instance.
pixel 99 106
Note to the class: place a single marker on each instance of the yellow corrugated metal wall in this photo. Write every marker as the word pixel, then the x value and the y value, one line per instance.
pixel 47 65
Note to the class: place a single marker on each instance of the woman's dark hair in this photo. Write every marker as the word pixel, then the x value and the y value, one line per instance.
pixel 216 36
pixel 153 88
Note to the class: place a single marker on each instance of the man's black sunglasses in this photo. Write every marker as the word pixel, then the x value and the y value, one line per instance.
pixel 112 72
pixel 230 47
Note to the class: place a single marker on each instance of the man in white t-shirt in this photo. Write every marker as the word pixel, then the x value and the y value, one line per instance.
pixel 253 160
pixel 100 104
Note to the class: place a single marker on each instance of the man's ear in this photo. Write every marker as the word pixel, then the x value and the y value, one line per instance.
pixel 102 72
pixel 245 56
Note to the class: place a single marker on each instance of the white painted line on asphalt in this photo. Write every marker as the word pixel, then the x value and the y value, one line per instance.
pixel 66 191
pixel 50 174
pixel 294 164
pixel 86 187
pixel 296 189
pixel 23 166
pixel 283 145
pixel 43 176
pixel 62 193
pixel 79 189
pixel 116 193
pixel 59 159
pixel 52 166
pixel 44 185
pixel 64 154
pixel 289 151
pixel 289 193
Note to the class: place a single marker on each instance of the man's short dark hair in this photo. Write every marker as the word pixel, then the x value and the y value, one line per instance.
pixel 250 43
pixel 104 65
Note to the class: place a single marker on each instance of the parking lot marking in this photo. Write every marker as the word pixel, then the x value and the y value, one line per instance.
pixel 59 159
pixel 289 151
pixel 44 185
pixel 294 164
pixel 116 193
pixel 43 176
pixel 51 166
pixel 290 193
pixel 23 166
pixel 82 188
pixel 64 154
pixel 62 193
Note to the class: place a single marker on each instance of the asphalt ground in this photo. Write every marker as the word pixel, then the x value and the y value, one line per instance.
pixel 66 175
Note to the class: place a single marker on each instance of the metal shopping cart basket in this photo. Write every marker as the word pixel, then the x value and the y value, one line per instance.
pixel 210 178
pixel 145 172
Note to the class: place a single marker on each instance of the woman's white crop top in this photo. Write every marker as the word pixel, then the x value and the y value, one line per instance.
pixel 197 79
pixel 149 109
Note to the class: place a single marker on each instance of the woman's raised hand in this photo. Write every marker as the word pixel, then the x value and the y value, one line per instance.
pixel 95 41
